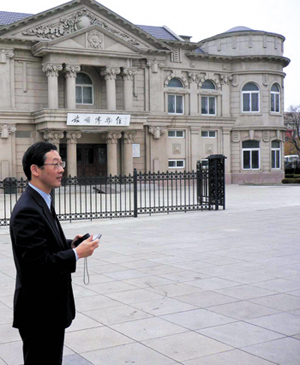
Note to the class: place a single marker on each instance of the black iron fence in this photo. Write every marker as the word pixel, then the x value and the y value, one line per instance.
pixel 91 198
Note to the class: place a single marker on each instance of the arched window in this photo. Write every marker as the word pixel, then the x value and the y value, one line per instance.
pixel 208 103
pixel 84 89
pixel 275 98
pixel 250 154
pixel 250 96
pixel 275 154
pixel 175 101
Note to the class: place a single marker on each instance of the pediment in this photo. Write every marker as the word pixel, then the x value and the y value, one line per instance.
pixel 90 40
pixel 76 16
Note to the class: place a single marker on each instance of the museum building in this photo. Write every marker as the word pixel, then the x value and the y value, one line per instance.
pixel 114 96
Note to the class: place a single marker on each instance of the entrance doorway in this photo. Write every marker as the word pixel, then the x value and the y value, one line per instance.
pixel 91 160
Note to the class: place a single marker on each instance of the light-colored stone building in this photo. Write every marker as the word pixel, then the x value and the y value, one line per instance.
pixel 114 96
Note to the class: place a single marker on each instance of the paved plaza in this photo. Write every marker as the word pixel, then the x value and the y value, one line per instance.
pixel 196 288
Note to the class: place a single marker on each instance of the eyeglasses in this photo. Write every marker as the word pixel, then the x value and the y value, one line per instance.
pixel 57 164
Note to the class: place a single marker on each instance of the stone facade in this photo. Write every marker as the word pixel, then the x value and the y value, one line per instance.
pixel 185 101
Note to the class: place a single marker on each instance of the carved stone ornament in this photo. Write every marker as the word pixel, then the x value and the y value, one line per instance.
pixel 157 131
pixel 79 20
pixel 72 136
pixel 154 65
pixel 112 137
pixel 71 71
pixel 225 79
pixel 128 73
pixel 129 137
pixel 110 73
pixel 53 136
pixel 193 77
pixel 6 130
pixel 51 70
pixel 95 39
pixel 6 53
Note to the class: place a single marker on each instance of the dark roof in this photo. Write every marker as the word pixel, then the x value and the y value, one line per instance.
pixel 7 17
pixel 158 32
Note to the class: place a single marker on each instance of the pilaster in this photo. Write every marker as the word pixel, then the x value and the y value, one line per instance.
pixel 72 137
pixel 128 75
pixel 128 140
pixel 71 74
pixel 110 75
pixel 112 144
pixel 52 71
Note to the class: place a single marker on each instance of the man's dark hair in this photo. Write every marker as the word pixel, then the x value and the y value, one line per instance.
pixel 36 155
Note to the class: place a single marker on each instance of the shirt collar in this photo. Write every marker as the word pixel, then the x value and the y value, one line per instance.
pixel 45 196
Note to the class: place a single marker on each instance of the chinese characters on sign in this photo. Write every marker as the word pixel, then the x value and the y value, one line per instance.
pixel 98 119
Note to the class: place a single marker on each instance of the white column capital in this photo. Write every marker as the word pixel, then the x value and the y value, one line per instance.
pixel 71 70
pixel 51 69
pixel 128 137
pixel 157 131
pixel 72 136
pixel 6 130
pixel 110 73
pixel 53 136
pixel 128 73
pixel 112 137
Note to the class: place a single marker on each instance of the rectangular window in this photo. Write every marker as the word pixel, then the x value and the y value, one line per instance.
pixel 250 159
pixel 84 95
pixel 275 103
pixel 175 104
pixel 250 102
pixel 208 134
pixel 176 164
pixel 275 154
pixel 208 105
pixel 176 134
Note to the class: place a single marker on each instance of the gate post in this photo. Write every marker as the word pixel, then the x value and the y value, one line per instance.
pixel 199 183
pixel 216 167
pixel 135 210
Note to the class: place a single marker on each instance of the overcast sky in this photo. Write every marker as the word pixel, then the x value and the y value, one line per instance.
pixel 203 19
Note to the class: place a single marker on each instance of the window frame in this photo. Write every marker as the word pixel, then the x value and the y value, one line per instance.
pixel 175 91
pixel 208 134
pixel 276 96
pixel 207 98
pixel 251 150
pixel 176 160
pixel 250 98
pixel 277 154
pixel 175 108
pixel 82 86
pixel 176 133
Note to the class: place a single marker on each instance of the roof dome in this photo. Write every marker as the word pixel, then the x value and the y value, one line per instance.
pixel 240 28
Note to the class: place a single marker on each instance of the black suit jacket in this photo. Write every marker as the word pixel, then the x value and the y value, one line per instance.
pixel 44 262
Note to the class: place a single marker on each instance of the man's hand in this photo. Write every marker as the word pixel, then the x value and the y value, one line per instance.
pixel 87 247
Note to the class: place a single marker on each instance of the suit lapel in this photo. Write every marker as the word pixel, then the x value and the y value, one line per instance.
pixel 57 230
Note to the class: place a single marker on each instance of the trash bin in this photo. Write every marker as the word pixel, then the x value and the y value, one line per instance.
pixel 10 185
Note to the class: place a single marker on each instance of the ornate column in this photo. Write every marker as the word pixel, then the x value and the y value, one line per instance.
pixel 110 75
pixel 128 77
pixel 72 137
pixel 52 71
pixel 71 73
pixel 112 143
pixel 54 137
pixel 128 139
pixel 193 81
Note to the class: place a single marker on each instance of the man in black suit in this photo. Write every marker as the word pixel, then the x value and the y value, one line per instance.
pixel 44 260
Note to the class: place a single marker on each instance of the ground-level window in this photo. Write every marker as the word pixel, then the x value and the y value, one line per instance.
pixel 176 164
pixel 175 104
pixel 250 155
pixel 275 153
pixel 84 89
pixel 208 134
pixel 275 99
pixel 250 97
pixel 176 134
